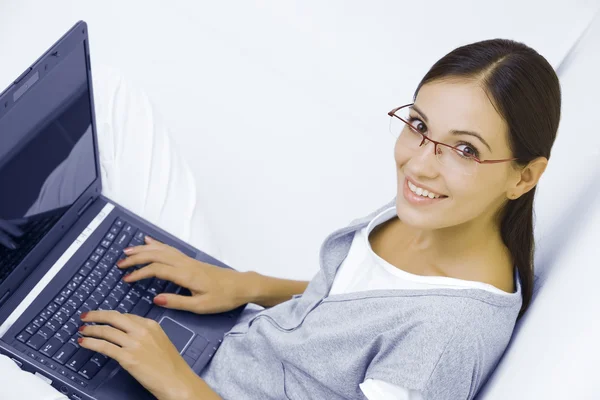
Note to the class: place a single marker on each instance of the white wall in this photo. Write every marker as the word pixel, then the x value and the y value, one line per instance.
pixel 280 107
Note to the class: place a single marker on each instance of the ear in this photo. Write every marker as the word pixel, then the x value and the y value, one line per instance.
pixel 526 178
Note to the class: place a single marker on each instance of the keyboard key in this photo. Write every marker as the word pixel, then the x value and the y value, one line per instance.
pixel 79 359
pixel 114 230
pixel 32 328
pixel 74 302
pixel 52 307
pixel 125 306
pixel 140 235
pixel 90 304
pixel 99 359
pixel 129 229
pixel 61 317
pixel 100 251
pixel 23 337
pixel 143 284
pixel 104 289
pixel 110 237
pixel 161 283
pixel 117 251
pixel 98 296
pixel 117 294
pixel 68 309
pixel 95 257
pixel 119 222
pixel 71 327
pixel 109 258
pixel 65 353
pixel 111 302
pixel 141 308
pixel 120 309
pixel 123 239
pixel 51 347
pixel 53 324
pixel 81 294
pixel 110 280
pixel 39 321
pixel 46 314
pixel 89 370
pixel 60 299
pixel 36 341
pixel 62 335
pixel 87 287
pixel 72 286
pixel 85 270
pixel 105 243
pixel 46 332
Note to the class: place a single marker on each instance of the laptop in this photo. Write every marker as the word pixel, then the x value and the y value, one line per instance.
pixel 60 237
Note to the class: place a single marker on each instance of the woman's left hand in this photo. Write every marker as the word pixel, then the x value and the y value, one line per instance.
pixel 142 348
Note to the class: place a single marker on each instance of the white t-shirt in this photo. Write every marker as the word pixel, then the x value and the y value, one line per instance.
pixel 364 270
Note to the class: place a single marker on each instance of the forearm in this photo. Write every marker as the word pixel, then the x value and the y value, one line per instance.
pixel 268 291
pixel 191 387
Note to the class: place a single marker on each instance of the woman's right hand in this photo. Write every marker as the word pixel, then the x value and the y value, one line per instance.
pixel 214 289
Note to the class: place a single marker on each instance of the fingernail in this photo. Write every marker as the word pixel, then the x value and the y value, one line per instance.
pixel 120 262
pixel 160 300
pixel 127 250
pixel 126 277
pixel 81 328
pixel 148 238
pixel 83 315
pixel 79 340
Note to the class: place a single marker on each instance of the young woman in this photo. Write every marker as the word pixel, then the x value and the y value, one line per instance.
pixel 418 299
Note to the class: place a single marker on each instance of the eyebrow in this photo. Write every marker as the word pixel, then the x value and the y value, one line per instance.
pixel 456 131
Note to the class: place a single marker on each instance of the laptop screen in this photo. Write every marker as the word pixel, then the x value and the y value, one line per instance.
pixel 47 158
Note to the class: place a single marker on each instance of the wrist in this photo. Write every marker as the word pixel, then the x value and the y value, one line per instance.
pixel 248 287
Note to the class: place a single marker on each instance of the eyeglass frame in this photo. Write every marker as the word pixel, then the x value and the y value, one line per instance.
pixel 436 143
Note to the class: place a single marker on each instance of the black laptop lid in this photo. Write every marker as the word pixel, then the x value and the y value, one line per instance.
pixel 48 155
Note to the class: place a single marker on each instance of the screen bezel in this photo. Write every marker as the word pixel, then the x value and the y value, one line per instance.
pixel 76 36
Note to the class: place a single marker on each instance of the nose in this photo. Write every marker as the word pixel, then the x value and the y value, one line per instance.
pixel 424 162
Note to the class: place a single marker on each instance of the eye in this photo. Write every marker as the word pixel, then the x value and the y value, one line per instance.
pixel 417 124
pixel 468 150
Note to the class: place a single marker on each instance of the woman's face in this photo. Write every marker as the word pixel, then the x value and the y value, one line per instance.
pixel 446 106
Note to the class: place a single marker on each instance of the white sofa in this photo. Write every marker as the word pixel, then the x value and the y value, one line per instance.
pixel 261 98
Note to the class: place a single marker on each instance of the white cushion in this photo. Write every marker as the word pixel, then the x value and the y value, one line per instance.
pixel 142 168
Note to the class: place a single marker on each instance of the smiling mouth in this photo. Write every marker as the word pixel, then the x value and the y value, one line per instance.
pixel 423 192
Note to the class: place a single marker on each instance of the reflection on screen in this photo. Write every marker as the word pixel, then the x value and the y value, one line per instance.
pixel 46 157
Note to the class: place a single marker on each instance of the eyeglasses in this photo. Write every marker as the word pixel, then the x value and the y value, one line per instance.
pixel 411 132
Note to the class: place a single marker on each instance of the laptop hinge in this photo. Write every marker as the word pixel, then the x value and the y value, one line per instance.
pixel 86 205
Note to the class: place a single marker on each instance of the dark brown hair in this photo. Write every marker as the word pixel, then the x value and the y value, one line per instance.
pixel 525 91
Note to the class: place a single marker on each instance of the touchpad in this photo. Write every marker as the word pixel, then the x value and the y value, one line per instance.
pixel 179 334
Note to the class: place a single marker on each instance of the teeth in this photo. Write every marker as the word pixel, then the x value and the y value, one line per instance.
pixel 421 191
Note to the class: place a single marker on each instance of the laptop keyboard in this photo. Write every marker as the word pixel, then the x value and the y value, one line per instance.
pixel 51 337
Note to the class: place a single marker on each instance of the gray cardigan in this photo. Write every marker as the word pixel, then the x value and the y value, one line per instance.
pixel 441 342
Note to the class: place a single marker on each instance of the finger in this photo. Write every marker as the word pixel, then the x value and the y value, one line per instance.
pixel 7 242
pixel 107 333
pixel 137 249
pixel 102 346
pixel 11 228
pixel 147 257
pixel 151 240
pixel 113 318
pixel 180 276
pixel 176 301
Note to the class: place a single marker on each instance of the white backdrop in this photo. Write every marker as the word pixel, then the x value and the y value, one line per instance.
pixel 280 107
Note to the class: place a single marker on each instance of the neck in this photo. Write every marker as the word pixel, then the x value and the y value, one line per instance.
pixel 472 250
